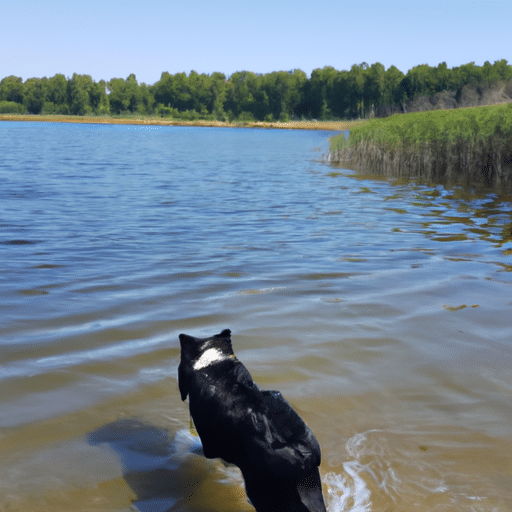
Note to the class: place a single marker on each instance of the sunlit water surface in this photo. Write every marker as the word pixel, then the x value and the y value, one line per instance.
pixel 381 310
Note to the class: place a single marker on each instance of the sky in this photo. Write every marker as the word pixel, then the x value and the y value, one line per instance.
pixel 113 38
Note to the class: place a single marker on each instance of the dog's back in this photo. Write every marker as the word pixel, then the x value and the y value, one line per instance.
pixel 256 430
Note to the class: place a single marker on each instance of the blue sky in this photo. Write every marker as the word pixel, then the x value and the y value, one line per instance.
pixel 113 38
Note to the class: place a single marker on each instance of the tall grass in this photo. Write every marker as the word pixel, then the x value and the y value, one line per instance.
pixel 457 145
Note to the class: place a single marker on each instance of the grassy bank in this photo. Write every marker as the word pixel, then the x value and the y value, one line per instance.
pixel 461 145
pixel 158 121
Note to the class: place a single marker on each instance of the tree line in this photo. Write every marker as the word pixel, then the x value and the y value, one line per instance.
pixel 363 91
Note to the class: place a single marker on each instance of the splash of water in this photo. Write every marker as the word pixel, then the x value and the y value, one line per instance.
pixel 347 491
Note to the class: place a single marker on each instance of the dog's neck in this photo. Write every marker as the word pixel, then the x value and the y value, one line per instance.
pixel 211 356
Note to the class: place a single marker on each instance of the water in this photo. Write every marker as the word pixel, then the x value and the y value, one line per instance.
pixel 381 310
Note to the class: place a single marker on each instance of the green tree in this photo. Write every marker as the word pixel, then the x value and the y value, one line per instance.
pixel 355 86
pixel 34 94
pixel 147 100
pixel 289 87
pixel 373 89
pixel 56 96
pixel 163 90
pixel 392 80
pixel 201 97
pixel 56 91
pixel 502 69
pixel 98 97
pixel 218 94
pixel 240 97
pixel 321 94
pixel 133 93
pixel 489 72
pixel 173 91
pixel 182 98
pixel 78 93
pixel 419 80
pixel 118 96
pixel 444 80
pixel 280 93
pixel 299 82
pixel 467 74
pixel 11 89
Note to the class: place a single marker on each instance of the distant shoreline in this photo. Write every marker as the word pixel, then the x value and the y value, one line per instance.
pixel 155 121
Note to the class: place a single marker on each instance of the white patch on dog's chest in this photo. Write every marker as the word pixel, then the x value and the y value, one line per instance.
pixel 208 357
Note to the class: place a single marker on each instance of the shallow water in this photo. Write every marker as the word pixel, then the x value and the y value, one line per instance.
pixel 380 309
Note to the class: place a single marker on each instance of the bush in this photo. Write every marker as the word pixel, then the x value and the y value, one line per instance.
pixel 50 108
pixel 189 115
pixel 246 117
pixel 11 107
pixel 163 111
pixel 220 115
pixel 284 117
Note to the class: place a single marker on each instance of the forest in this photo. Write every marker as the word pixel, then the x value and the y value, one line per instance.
pixel 364 91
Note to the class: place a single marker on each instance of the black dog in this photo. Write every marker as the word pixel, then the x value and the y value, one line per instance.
pixel 257 430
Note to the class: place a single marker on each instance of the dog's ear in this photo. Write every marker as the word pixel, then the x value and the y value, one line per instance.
pixel 185 339
pixel 189 347
pixel 222 341
pixel 183 380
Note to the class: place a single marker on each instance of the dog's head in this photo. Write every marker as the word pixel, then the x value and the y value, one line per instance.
pixel 198 353
pixel 193 348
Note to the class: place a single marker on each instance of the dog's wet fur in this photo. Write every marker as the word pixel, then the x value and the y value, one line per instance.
pixel 257 430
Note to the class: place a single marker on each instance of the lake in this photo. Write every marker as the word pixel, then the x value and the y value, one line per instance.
pixel 381 309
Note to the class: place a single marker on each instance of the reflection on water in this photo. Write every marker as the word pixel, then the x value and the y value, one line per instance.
pixel 381 310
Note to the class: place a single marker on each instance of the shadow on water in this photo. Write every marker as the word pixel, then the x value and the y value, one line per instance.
pixel 164 473
pixel 171 474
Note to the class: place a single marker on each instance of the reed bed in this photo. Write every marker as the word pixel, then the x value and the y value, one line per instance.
pixel 464 145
